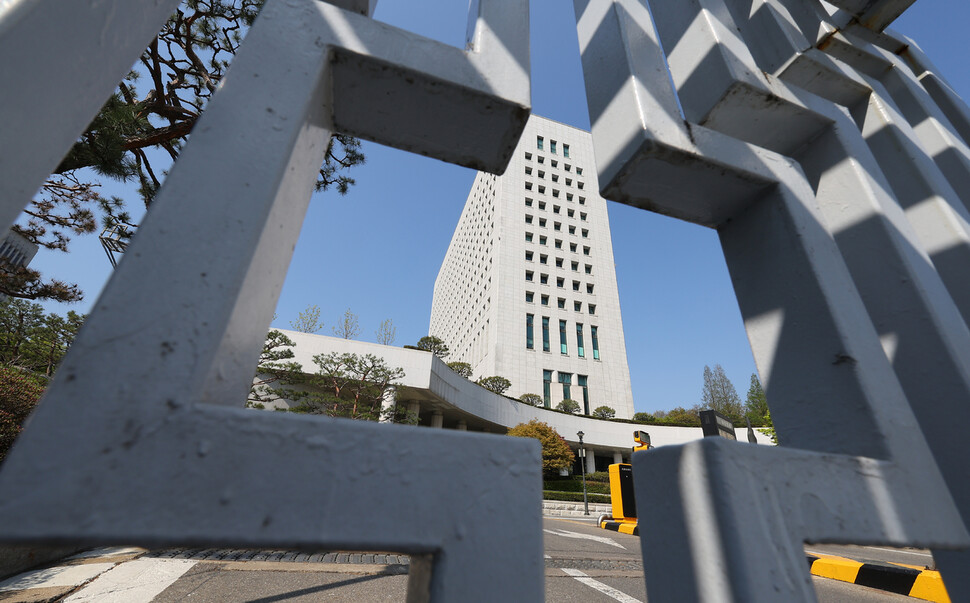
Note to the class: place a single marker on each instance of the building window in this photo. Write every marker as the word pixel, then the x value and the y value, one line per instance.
pixel 585 250
pixel 545 300
pixel 544 279
pixel 579 171
pixel 552 147
pixel 558 262
pixel 572 247
pixel 569 181
pixel 528 275
pixel 592 308
pixel 528 202
pixel 529 341
pixel 528 219
pixel 565 165
pixel 542 258
pixel 580 185
pixel 582 382
pixel 557 226
pixel 528 156
pixel 560 282
pixel 555 177
pixel 542 222
pixel 569 196
pixel 562 303
pixel 575 266
pixel 555 209
pixel 581 350
pixel 566 379
pixel 562 335
pixel 575 285
pixel 596 343
pixel 589 269
pixel 578 306
pixel 582 216
pixel 572 230
pixel 570 213
pixel 542 240
pixel 528 237
pixel 542 174
pixel 540 158
pixel 542 204
pixel 529 296
pixel 554 163
pixel 565 150
pixel 528 171
pixel 546 386
pixel 528 256
pixel 542 189
pixel 545 333
pixel 539 142
pixel 555 193
pixel 528 186
pixel 589 288
pixel 582 200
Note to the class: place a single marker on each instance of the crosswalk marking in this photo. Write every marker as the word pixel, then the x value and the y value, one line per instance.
pixel 606 589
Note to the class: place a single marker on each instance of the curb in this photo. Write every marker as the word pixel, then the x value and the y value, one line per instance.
pixel 623 527
pixel 909 580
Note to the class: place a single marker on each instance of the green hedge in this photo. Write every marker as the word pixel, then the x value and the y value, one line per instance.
pixel 575 485
pixel 574 496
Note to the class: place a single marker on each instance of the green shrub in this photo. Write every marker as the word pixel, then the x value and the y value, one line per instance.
pixel 574 496
pixel 571 485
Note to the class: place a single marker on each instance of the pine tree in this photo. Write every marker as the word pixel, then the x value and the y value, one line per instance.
pixel 719 394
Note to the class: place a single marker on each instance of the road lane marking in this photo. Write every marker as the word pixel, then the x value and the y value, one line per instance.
pixel 606 589
pixel 137 581
pixel 568 534
pixel 69 575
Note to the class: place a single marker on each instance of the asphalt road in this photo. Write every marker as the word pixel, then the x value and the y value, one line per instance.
pixel 584 564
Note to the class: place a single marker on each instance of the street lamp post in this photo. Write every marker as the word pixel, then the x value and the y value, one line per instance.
pixel 582 466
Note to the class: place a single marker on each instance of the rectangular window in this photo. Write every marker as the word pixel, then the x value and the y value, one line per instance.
pixel 555 209
pixel 562 302
pixel 528 186
pixel 585 233
pixel 575 285
pixel 566 379
pixel 528 256
pixel 562 335
pixel 592 308
pixel 542 258
pixel 554 163
pixel 542 204
pixel 542 189
pixel 585 250
pixel 555 193
pixel 572 247
pixel 560 282
pixel 582 216
pixel 528 202
pixel 589 288
pixel 545 300
pixel 528 237
pixel 582 200
pixel 544 279
pixel 545 333
pixel 572 230
pixel 542 222
pixel 578 306
pixel 542 174
pixel 528 156
pixel 558 244
pixel 542 240
pixel 528 171
pixel 579 171
pixel 570 213
pixel 529 296
pixel 589 269
pixel 555 177
pixel 529 341
pixel 558 262
pixel 528 219
pixel 528 275
pixel 569 181
pixel 552 147
pixel 596 343
pixel 539 142
pixel 582 382
pixel 557 226
pixel 565 165
pixel 575 266
pixel 569 197
pixel 540 158
pixel 546 386
pixel 565 150
pixel 580 349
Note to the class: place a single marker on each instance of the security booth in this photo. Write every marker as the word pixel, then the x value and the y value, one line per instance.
pixel 624 516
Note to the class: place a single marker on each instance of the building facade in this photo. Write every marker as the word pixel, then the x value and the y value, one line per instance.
pixel 527 289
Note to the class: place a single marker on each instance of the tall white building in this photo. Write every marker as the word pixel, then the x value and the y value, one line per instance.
pixel 527 289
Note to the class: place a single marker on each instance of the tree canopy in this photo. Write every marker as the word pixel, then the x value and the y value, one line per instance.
pixel 462 368
pixel 348 327
pixel 19 393
pixel 139 132
pixel 308 321
pixel 570 406
pixel 433 344
pixel 719 394
pixel 496 384
pixel 556 454
pixel 353 386
pixel 533 399
pixel 34 340
pixel 756 404
pixel 604 412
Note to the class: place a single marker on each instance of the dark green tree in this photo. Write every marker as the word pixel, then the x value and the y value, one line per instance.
pixel 433 344
pixel 462 368
pixel 756 405
pixel 604 412
pixel 33 340
pixel 19 393
pixel 533 399
pixel 496 384
pixel 353 386
pixel 276 366
pixel 155 108
pixel 570 406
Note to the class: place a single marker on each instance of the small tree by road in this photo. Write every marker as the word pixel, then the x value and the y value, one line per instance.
pixel 556 454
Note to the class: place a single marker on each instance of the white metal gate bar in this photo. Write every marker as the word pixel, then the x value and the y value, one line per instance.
pixel 129 444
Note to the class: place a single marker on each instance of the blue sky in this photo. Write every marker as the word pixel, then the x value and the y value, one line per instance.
pixel 377 249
